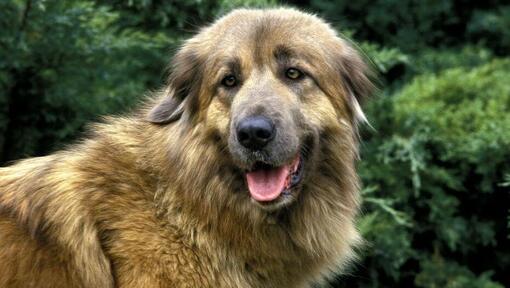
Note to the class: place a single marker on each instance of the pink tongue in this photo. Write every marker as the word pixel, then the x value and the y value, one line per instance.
pixel 267 185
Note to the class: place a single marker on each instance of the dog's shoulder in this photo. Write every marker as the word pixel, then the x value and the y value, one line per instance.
pixel 43 216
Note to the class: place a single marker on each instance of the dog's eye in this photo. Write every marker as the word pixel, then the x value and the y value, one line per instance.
pixel 229 81
pixel 293 73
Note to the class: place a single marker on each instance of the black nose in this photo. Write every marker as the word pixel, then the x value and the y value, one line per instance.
pixel 255 132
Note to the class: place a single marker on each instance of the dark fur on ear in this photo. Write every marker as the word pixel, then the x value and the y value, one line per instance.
pixel 167 110
pixel 357 77
pixel 182 89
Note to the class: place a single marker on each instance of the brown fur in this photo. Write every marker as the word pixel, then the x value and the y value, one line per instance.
pixel 140 204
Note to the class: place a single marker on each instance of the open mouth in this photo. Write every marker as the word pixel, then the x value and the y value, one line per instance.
pixel 266 183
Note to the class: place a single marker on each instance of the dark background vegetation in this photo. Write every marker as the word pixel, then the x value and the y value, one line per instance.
pixel 436 166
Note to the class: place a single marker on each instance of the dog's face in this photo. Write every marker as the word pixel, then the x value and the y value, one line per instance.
pixel 268 84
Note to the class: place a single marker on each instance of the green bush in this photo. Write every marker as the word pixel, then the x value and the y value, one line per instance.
pixel 64 63
pixel 412 25
pixel 491 28
pixel 440 273
pixel 434 169
pixel 465 113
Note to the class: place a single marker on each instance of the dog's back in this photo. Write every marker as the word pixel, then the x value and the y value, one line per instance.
pixel 29 262
pixel 46 238
pixel 85 218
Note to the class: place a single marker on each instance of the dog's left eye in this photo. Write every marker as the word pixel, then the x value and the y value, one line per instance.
pixel 293 73
pixel 229 81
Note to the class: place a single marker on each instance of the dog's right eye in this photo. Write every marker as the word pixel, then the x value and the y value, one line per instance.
pixel 293 73
pixel 229 81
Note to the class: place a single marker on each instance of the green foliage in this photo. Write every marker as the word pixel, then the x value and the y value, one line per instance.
pixel 436 166
pixel 440 273
pixel 63 64
pixel 436 160
pixel 177 18
pixel 383 58
pixel 412 25
pixel 158 15
pixel 474 126
pixel 492 28
pixel 436 60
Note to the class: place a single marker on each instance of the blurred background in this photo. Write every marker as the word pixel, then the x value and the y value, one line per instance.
pixel 435 168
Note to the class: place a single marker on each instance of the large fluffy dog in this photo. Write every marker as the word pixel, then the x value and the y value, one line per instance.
pixel 241 173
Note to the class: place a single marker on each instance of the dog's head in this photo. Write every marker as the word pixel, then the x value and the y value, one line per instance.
pixel 272 86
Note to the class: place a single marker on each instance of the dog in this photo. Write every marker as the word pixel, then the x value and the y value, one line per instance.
pixel 240 172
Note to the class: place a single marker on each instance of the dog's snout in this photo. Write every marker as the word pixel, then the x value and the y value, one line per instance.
pixel 255 132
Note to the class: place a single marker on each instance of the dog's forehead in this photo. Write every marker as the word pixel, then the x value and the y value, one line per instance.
pixel 261 32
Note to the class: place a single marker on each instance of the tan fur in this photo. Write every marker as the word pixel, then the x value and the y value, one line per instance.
pixel 139 204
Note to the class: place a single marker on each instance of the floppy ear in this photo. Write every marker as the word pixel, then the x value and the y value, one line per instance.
pixel 182 88
pixel 167 110
pixel 357 78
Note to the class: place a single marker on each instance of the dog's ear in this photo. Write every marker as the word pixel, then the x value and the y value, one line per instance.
pixel 182 89
pixel 357 77
pixel 167 110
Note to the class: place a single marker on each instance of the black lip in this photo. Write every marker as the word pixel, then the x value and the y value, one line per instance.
pixel 297 176
pixel 260 166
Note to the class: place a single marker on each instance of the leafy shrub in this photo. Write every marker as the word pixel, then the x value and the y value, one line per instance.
pixel 63 64
pixel 491 28
pixel 433 169
pixel 436 60
pixel 474 124
pixel 412 25
pixel 440 273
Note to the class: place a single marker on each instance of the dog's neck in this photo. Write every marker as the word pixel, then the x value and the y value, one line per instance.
pixel 193 193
